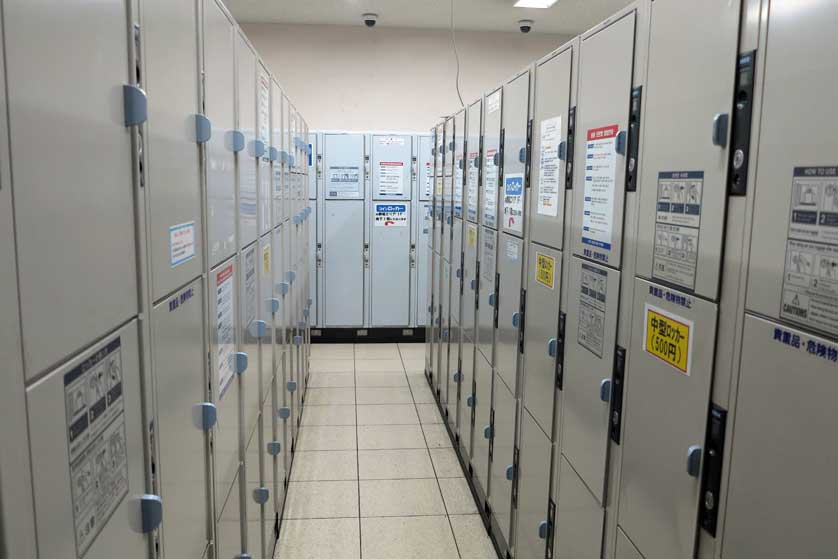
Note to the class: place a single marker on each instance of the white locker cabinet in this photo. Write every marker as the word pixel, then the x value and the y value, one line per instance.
pixel 665 419
pixel 473 136
pixel 684 186
pixel 579 518
pixel 486 293
pixel 447 191
pixel 261 148
pixel 423 222
pixel 343 166
pixel 250 330
pixel 313 167
pixel 458 163
pixel 178 359
pixel 425 168
pixel 264 312
pixel 503 456
pixel 314 314
pixel 605 80
pixel 533 495
pixel 515 146
pixel 390 264
pixel 491 159
pixel 86 442
pixel 277 210
pixel 509 318
pixel 246 180
pixel 74 223
pixel 343 262
pixel 482 421
pixel 549 170
pixel 171 153
pixel 391 167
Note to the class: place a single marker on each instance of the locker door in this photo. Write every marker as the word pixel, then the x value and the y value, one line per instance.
pixel 86 442
pixel 425 167
pixel 343 263
pixel 473 135
pixel 456 267
pixel 250 342
pixel 541 334
pixel 444 331
pixel 278 255
pixel 447 190
pixel 533 489
pixel 178 358
pixel 482 421
pixel 287 202
pixel 589 360
pixel 490 158
pixel 436 270
pixel 510 262
pixel 503 446
pixel 605 79
pixel 458 163
pixel 314 316
pixel 267 512
pixel 391 167
pixel 439 150
pixel 579 518
pixel 801 419
pixel 277 213
pixel 516 98
pixel 313 150
pixel 390 264
pixel 549 134
pixel 469 312
pixel 665 419
pixel 246 124
pixel 72 219
pixel 625 549
pixel 343 166
pixel 466 397
pixel 262 145
pixel 488 241
pixel 265 314
pixel 454 376
pixel 423 253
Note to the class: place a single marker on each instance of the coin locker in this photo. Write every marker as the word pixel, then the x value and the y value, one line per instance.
pixel 490 159
pixel 277 155
pixel 515 149
pixel 473 138
pixel 246 180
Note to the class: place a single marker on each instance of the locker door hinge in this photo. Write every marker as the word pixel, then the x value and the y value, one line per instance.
pixel 523 320
pixel 497 298
pixel 617 394
pixel 633 138
pixel 528 161
pixel 571 132
pixel 515 454
pixel 366 168
pixel 480 172
pixel 413 165
pixel 711 483
pixel 477 286
pixel 501 152
pixel 740 141
pixel 551 528
pixel 560 351
pixel 492 432
pixel 462 272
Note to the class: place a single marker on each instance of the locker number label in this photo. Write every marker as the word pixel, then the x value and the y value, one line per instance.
pixel 667 337
pixel 545 267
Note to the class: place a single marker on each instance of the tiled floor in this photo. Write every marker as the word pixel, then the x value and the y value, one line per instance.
pixel 374 474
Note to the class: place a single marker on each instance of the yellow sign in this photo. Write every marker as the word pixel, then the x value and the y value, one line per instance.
pixel 472 236
pixel 266 259
pixel 667 337
pixel 545 267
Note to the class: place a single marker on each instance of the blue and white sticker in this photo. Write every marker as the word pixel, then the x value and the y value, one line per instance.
pixel 513 202
pixel 390 215
pixel 181 243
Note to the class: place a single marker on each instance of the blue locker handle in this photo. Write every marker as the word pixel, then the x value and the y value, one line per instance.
pixel 510 472
pixel 542 529
pixel 244 556
pixel 522 155
pixel 151 512
pixel 516 319
pixel 239 362
pixel 283 413
pixel 605 390
pixel 477 162
pixel 458 377
pixel 620 143
pixel 551 347
pixel 134 105
pixel 203 129
pixel 472 284
pixel 298 340
pixel 496 159
pixel 459 273
pixel 487 432
pixel 694 460
pixel 273 153
pixel 235 141
pixel 291 275
pixel 282 287
pixel 720 122
pixel 562 150
pixel 492 299
pixel 205 415
pixel 470 401
pixel 261 495
pixel 273 305
pixel 257 148
pixel 292 386
pixel 305 313
pixel 274 448
pixel 258 329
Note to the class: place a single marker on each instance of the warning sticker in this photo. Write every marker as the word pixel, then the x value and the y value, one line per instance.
pixel 490 189
pixel 471 235
pixel 266 259
pixel 810 281
pixel 428 174
pixel 513 202
pixel 344 181
pixel 600 182
pixel 472 193
pixel 667 337
pixel 592 296
pixel 181 243
pixel 225 329
pixel 93 394
pixel 390 215
pixel 458 185
pixel 391 178
pixel 677 220
pixel 549 167
pixel 545 267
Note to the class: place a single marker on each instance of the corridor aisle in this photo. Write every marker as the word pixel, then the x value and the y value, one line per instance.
pixel 375 476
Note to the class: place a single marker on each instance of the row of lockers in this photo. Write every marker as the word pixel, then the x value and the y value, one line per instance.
pixel 155 294
pixel 632 320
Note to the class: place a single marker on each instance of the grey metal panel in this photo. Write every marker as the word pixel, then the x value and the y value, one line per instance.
pixel 453 389
pixel 482 417
pixel 474 132
pixel 544 286
pixel 691 72
pixel 466 391
pixel 64 465
pixel 605 80
pixel 625 549
pixel 765 518
pixel 488 246
pixel 314 317
pixel 178 359
pixel 515 115
pixel 425 170
pixel 391 167
pixel 390 264
pixel 510 265
pixel 490 204
pixel 548 171
pixel 263 134
pixel 277 211
pixel 593 303
pixel 503 433
pixel 458 163
pixel 659 499
pixel 470 249
pixel 246 124
pixel 74 223
pixel 423 263
pixel 264 313
pixel 533 488
pixel 579 518
pixel 312 166
pixel 343 266
pixel 456 267
pixel 250 344
pixel 343 166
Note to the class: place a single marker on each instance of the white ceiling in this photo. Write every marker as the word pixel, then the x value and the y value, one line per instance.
pixel 567 17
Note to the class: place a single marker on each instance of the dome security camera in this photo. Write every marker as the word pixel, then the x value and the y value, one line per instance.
pixel 370 19
pixel 525 25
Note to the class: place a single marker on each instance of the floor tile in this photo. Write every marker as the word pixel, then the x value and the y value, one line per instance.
pixel 412 351
pixel 428 413
pixel 332 351
pixel 387 414
pixel 436 435
pixel 400 497
pixel 446 463
pixel 378 437
pixel 457 496
pixel 378 365
pixel 322 499
pixel 397 395
pixel 331 380
pixel 328 415
pixel 381 380
pixel 326 438
pixel 422 394
pixel 413 364
pixel 329 396
pixel 472 539
pixel 377 351
pixel 418 537
pixel 335 538
pixel 332 365
pixel 395 464
pixel 325 465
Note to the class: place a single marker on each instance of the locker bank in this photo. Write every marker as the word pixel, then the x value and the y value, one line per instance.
pixel 502 280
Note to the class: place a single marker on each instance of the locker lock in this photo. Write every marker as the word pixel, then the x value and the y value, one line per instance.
pixel 283 413
pixel 510 472
pixel 552 343
pixel 694 460
pixel 543 529
pixel 261 495
pixel 605 390
pixel 487 432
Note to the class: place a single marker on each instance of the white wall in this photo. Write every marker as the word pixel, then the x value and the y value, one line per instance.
pixel 353 78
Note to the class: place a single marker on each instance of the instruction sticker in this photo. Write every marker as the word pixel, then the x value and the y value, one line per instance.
pixel 225 329
pixel 512 250
pixel 266 259
pixel 513 202
pixel 490 188
pixel 677 221
pixel 93 394
pixel 549 167
pixel 471 235
pixel 493 102
pixel 487 259
pixel 250 295
pixel 390 215
pixel 592 296
pixel 545 267
pixel 264 107
pixel 181 243
pixel 667 337
pixel 600 183
pixel 473 178
pixel 390 140
pixel 810 282
pixel 344 181
pixel 391 178
pixel 428 175
pixel 458 186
